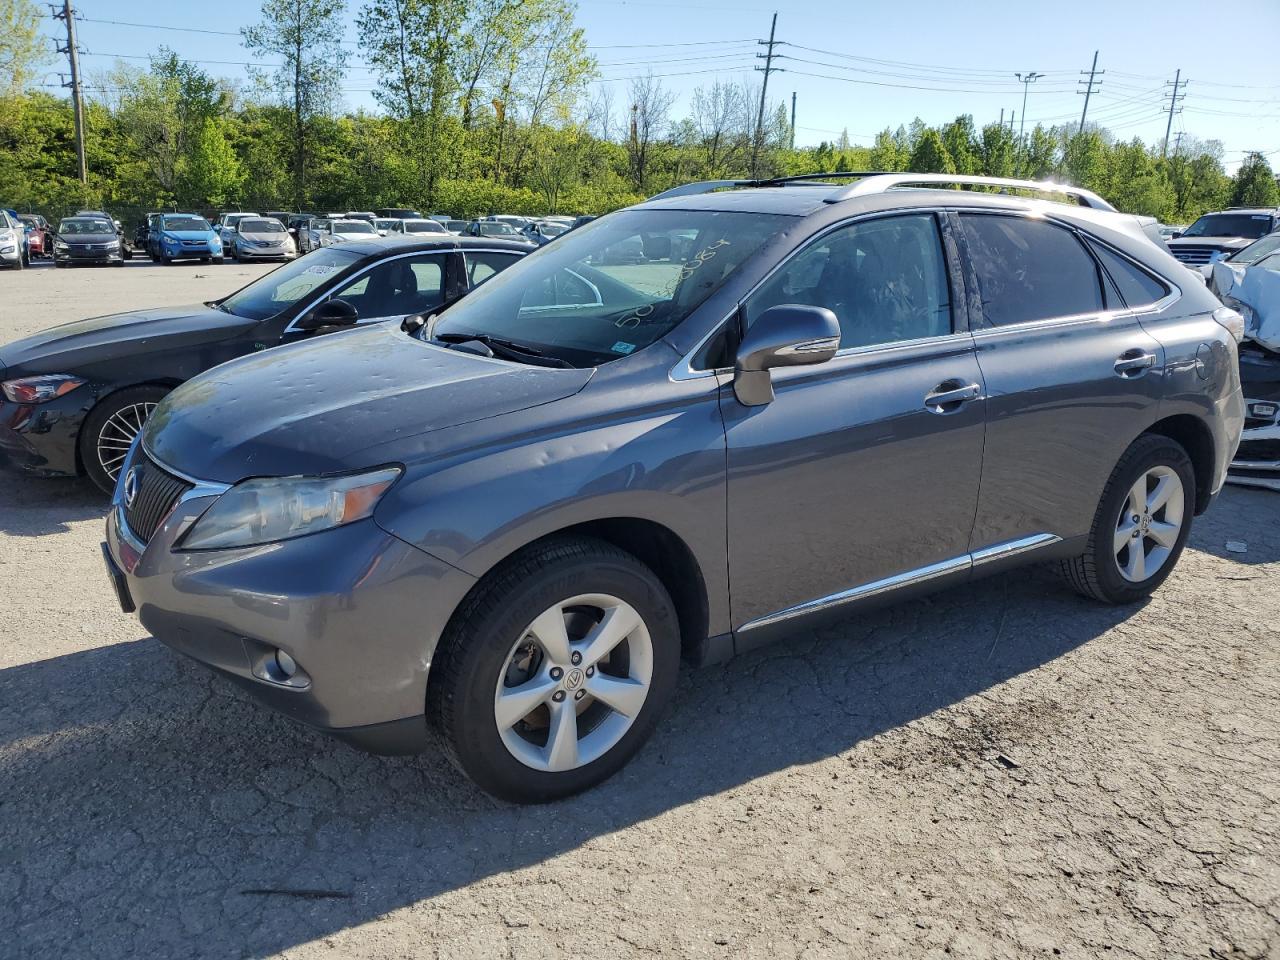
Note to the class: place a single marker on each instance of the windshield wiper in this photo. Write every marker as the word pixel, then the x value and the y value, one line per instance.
pixel 508 349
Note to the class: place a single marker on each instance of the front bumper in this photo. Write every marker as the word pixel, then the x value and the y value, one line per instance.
pixel 11 257
pixel 87 256
pixel 190 252
pixel 40 438
pixel 265 253
pixel 359 610
pixel 1257 461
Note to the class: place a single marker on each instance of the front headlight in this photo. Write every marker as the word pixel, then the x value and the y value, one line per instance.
pixel 8 247
pixel 280 508
pixel 59 245
pixel 40 389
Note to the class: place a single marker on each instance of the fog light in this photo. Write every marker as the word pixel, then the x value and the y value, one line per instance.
pixel 286 664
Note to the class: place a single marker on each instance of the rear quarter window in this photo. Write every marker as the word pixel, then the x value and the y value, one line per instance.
pixel 1030 270
pixel 1137 287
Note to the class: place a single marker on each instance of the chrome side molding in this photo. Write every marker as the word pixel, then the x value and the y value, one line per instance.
pixel 997 551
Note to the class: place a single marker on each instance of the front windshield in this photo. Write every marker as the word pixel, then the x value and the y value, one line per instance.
pixel 260 226
pixel 1256 251
pixel 282 288
pixel 552 229
pixel 84 227
pixel 1252 225
pixel 186 223
pixel 384 224
pixel 353 226
pixel 612 288
pixel 494 228
pixel 423 226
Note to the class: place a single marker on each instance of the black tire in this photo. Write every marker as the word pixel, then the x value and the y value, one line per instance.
pixel 58 264
pixel 474 650
pixel 117 263
pixel 94 423
pixel 218 260
pixel 1096 572
pixel 165 258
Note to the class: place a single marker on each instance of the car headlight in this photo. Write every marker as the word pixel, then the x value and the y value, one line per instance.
pixel 8 247
pixel 281 508
pixel 59 244
pixel 41 388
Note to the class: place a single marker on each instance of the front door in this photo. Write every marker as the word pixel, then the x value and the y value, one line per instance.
pixel 863 472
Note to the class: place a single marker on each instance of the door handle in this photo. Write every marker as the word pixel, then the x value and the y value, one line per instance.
pixel 947 397
pixel 1134 363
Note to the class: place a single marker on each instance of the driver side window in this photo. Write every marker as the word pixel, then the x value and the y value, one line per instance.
pixel 396 288
pixel 884 279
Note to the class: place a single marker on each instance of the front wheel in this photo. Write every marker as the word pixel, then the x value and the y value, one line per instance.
pixel 1141 526
pixel 555 670
pixel 218 260
pixel 109 429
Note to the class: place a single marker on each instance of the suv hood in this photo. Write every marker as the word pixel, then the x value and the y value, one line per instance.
pixel 1217 243
pixel 316 407
pixel 69 347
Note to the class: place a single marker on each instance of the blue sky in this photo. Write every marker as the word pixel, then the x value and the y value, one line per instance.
pixel 868 65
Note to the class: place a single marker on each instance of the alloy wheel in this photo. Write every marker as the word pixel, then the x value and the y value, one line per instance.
pixel 117 435
pixel 1149 523
pixel 574 683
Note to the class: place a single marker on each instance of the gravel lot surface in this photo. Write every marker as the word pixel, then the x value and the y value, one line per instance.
pixel 1003 770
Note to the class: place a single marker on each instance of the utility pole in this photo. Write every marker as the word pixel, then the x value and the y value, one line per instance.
pixel 1026 79
pixel 1089 88
pixel 1177 143
pixel 1002 116
pixel 1013 115
pixel 1173 103
pixel 764 89
pixel 77 94
pixel 793 119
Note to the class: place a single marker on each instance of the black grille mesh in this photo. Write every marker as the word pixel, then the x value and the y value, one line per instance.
pixel 157 492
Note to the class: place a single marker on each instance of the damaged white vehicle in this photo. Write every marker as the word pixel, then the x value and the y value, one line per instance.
pixel 1249 282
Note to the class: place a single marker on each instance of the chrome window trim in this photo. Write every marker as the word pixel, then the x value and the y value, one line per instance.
pixel 999 551
pixel 684 369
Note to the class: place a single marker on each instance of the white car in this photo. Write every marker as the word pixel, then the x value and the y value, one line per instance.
pixel 226 226
pixel 11 234
pixel 383 224
pixel 261 238
pixel 326 233
pixel 402 228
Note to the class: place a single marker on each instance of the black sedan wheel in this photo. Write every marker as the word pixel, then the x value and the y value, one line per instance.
pixel 109 431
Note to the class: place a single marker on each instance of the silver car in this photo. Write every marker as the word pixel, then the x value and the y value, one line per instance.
pixel 261 238
pixel 11 234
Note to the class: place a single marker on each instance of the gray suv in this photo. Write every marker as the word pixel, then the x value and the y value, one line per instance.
pixel 686 429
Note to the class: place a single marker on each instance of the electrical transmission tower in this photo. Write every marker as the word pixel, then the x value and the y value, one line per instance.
pixel 1174 99
pixel 1090 86
pixel 77 94
pixel 756 141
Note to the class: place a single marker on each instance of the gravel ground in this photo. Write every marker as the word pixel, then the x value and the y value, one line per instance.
pixel 1003 770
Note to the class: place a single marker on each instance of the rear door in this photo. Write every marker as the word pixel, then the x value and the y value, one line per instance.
pixel 1071 376
pixel 863 472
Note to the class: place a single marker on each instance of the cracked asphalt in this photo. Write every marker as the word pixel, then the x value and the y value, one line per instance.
pixel 1002 770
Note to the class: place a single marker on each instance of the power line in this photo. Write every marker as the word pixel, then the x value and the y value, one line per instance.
pixel 77 94
pixel 764 89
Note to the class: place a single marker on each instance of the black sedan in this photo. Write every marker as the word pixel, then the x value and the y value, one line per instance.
pixel 73 397
pixel 87 240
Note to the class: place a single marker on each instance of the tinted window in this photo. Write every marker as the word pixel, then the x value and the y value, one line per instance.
pixel 84 227
pixel 284 287
pixel 397 288
pixel 262 225
pixel 1030 270
pixel 1256 251
pixel 482 266
pixel 185 223
pixel 1252 225
pixel 1136 286
pixel 883 279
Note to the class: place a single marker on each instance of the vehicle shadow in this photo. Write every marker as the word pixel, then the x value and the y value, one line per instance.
pixel 1243 517
pixel 33 506
pixel 148 805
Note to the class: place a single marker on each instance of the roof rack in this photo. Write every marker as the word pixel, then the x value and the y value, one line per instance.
pixel 805 179
pixel 882 182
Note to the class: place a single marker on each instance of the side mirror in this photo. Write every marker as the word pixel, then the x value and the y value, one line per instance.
pixel 413 323
pixel 1175 235
pixel 331 313
pixel 788 335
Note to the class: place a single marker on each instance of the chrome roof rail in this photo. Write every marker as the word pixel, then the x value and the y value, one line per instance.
pixel 880 183
pixel 700 186
pixel 804 179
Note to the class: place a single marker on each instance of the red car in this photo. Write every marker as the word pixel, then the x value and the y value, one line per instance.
pixel 39 240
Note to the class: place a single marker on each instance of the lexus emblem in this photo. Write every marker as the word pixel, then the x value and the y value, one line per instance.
pixel 130 487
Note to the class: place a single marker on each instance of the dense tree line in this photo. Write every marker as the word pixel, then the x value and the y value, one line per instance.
pixel 487 106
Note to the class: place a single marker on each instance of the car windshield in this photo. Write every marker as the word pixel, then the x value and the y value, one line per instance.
pixel 384 224
pixel 186 223
pixel 1252 225
pixel 493 228
pixel 260 226
pixel 549 229
pixel 1257 250
pixel 282 288
pixel 423 226
pixel 79 227
pixel 610 289
pixel 353 226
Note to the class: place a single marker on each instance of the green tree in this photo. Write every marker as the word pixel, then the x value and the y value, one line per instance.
pixel 22 49
pixel 1135 183
pixel 887 154
pixel 961 141
pixel 1084 160
pixel 1040 155
pixel 997 151
pixel 307 37
pixel 212 174
pixel 930 154
pixel 1254 184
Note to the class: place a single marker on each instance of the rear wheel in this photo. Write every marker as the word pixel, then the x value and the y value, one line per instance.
pixel 555 670
pixel 110 428
pixel 1141 526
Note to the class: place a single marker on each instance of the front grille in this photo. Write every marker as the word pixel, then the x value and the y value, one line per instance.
pixel 155 493
pixel 194 243
pixel 1195 255
pixel 1259 451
